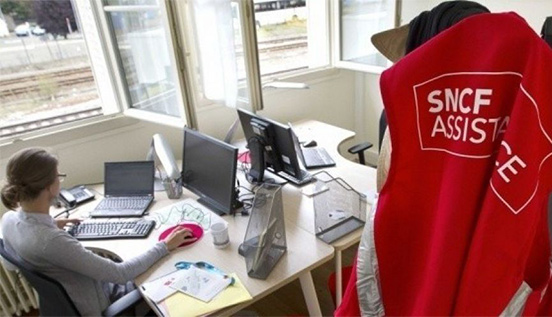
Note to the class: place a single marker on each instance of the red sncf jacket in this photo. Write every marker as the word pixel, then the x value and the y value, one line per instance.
pixel 461 223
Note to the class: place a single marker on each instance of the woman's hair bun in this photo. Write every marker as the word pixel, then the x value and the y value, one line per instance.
pixel 10 195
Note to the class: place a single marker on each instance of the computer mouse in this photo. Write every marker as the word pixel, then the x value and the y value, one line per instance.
pixel 310 143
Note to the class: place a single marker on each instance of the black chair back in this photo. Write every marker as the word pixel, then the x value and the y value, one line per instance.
pixel 53 299
pixel 382 127
pixel 546 32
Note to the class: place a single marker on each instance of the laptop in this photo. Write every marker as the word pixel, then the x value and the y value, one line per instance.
pixel 316 157
pixel 128 189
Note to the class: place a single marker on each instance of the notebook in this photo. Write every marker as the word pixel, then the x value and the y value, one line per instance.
pixel 311 158
pixel 128 189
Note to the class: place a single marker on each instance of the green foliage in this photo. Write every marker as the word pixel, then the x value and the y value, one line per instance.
pixel 19 10
pixel 52 15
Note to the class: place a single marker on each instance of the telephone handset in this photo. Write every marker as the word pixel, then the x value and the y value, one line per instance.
pixel 76 195
pixel 67 198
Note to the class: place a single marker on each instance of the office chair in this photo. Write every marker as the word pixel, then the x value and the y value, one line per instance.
pixel 360 148
pixel 54 300
pixel 546 32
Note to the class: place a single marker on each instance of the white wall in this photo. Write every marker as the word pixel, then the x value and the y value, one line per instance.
pixel 83 151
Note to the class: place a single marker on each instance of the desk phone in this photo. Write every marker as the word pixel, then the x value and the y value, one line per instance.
pixel 75 195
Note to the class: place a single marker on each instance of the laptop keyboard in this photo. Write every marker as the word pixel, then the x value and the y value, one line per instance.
pixel 124 203
pixel 317 157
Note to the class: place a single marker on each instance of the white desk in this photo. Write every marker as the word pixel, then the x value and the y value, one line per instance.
pixel 362 178
pixel 305 252
pixel 299 209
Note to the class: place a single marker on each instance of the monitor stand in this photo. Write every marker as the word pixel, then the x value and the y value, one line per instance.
pixel 158 181
pixel 305 178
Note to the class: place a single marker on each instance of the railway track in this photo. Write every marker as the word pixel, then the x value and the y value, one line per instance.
pixel 14 87
pixel 18 86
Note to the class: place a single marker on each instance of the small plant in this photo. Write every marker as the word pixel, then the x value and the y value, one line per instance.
pixel 47 87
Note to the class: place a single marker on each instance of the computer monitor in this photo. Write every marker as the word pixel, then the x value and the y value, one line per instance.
pixel 279 148
pixel 209 171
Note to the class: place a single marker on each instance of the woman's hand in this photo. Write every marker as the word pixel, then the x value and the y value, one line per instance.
pixel 177 237
pixel 63 222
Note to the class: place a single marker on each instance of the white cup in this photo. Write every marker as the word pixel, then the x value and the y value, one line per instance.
pixel 219 231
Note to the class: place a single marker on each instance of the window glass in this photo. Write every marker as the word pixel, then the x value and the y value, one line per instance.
pixel 291 35
pixel 142 43
pixel 218 54
pixel 360 19
pixel 45 73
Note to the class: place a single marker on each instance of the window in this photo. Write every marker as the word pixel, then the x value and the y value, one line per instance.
pixel 152 59
pixel 46 75
pixel 221 52
pixel 358 21
pixel 292 35
pixel 73 60
pixel 145 53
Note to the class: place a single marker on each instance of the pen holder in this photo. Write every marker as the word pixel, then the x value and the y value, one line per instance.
pixel 173 188
pixel 265 238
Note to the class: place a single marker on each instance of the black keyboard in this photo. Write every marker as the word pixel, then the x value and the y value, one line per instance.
pixel 97 230
pixel 123 203
pixel 317 157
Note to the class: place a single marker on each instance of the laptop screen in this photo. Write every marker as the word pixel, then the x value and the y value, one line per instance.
pixel 129 178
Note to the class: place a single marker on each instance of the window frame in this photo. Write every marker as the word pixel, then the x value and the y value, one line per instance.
pixel 337 45
pixel 326 7
pixel 186 118
pixel 114 95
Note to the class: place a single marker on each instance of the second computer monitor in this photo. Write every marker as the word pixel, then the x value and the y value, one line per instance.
pixel 284 158
pixel 209 170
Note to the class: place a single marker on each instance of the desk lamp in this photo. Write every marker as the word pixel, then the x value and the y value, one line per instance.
pixel 269 85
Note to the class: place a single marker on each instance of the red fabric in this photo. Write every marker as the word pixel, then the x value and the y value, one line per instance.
pixel 345 276
pixel 349 303
pixel 461 220
pixel 545 308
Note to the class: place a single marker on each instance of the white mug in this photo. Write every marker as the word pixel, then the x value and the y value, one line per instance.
pixel 219 231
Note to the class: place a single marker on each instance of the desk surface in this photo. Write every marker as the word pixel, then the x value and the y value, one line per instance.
pixel 362 178
pixel 304 251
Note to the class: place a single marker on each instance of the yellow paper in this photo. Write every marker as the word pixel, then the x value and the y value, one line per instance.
pixel 181 304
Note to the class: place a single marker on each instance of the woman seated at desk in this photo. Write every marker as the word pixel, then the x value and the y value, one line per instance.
pixel 92 282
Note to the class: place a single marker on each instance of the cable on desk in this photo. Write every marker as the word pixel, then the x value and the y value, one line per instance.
pixel 184 213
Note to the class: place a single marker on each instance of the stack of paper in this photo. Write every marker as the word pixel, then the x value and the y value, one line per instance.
pixel 159 289
pixel 180 304
pixel 201 284
pixel 194 291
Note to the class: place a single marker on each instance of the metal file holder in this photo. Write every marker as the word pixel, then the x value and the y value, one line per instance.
pixel 265 238
pixel 339 210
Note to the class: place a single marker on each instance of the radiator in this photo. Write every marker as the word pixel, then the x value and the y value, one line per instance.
pixel 16 295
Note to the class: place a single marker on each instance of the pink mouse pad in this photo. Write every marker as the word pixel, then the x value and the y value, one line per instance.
pixel 197 232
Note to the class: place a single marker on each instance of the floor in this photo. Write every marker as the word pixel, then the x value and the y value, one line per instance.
pixel 289 300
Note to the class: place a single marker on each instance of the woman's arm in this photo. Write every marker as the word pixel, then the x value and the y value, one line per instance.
pixel 66 252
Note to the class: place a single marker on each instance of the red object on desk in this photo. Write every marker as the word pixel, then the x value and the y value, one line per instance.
pixel 244 157
pixel 197 232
